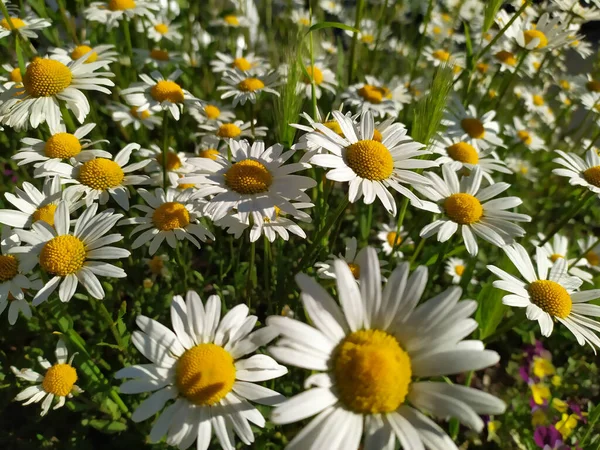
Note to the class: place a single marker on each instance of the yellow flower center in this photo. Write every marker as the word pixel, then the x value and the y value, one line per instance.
pixel 538 100
pixel 140 115
pixel 156 265
pixel 231 20
pixel 46 77
pixel 436 30
pixel 592 176
pixel 210 153
pixel 355 269
pixel 334 126
pixel 314 73
pixel 229 130
pixel 593 258
pixel 593 86
pixel 463 208
pixel 506 57
pixel 374 94
pixel 525 137
pixel 473 127
pixel 251 85
pixel 304 21
pixel 62 255
pixel 459 269
pixel 551 297
pixel 205 374
pixel 242 63
pixel 9 267
pixel 442 55
pixel 159 55
pixel 120 5
pixel 530 35
pixel 101 174
pixel 367 38
pixel 59 379
pixel 463 152
pixel 212 112
pixel 170 216
pixel 483 67
pixel 370 159
pixel 16 23
pixel 82 50
pixel 394 239
pixel 567 86
pixel 62 145
pixel 372 372
pixel 161 28
pixel 248 177
pixel 173 161
pixel 377 136
pixel 15 75
pixel 555 257
pixel 45 214
pixel 167 90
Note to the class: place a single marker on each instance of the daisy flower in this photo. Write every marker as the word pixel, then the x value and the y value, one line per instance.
pixel 231 21
pixel 27 27
pixel 467 208
pixel 47 81
pixel 591 101
pixel 521 133
pixel 111 12
pixel 99 178
pixel 211 112
pixel 549 294
pixel 205 367
pixel 210 147
pixel 373 358
pixel 545 35
pixel 580 172
pixel 375 96
pixel 14 76
pixel 558 247
pixel 176 166
pixel 129 115
pixel 61 145
pixel 311 148
pixel 72 257
pixel 505 59
pixel 57 382
pixel 170 216
pixel 156 266
pixel 455 267
pixel 159 94
pixel 355 260
pixel 248 62
pixel 301 17
pixel 391 239
pixel 332 7
pixel 442 56
pixel 156 57
pixel 323 77
pixel 523 168
pixel 255 181
pixel 466 125
pixel 590 249
pixel 370 166
pixel 535 102
pixel 245 87
pixel 99 53
pixel 368 30
pixel 236 129
pixel 161 28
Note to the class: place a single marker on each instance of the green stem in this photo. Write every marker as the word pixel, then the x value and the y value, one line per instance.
pixel 252 119
pixel 357 19
pixel 583 201
pixel 165 149
pixel 250 278
pixel 403 208
pixel 113 327
pixel 421 41
pixel 128 42
pixel 467 275
pixel 417 251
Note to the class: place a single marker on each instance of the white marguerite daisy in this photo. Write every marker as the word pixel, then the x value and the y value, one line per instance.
pixel 549 294
pixel 589 248
pixel 176 165
pixel 99 178
pixel 57 382
pixel 170 216
pixel 161 28
pixel 45 83
pixel 323 77
pixel 545 35
pixel 370 166
pixel 521 133
pixel 375 96
pixel 244 62
pixel 159 94
pixel 455 267
pixel 99 53
pixel 580 172
pixel 523 168
pixel 558 247
pixel 235 129
pixel 72 257
pixel 442 56
pixel 14 76
pixel 157 266
pixel 232 21
pixel 373 359
pixel 27 27
pixel 392 239
pixel 254 182
pixel 61 145
pixel 468 208
pixel 129 115
pixel 205 367
pixel 352 258
pixel 245 87
pixel 301 17
pixel 211 112
pixel 156 57
pixel 466 125
pixel 311 148
pixel 111 12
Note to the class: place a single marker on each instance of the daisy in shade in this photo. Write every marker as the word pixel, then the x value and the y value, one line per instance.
pixel 57 382
pixel 129 115
pixel 254 182
pixel 245 87
pixel 455 267
pixel 170 216
pixel 155 57
pixel 27 27
pixel 391 239
pixel 580 172
pixel 521 133
pixel 590 249
pixel 468 208
pixel 112 12
pixel 373 359
pixel 159 94
pixel 545 35
pixel 466 125
pixel 99 178
pixel 61 145
pixel 176 165
pixel 353 259
pixel 99 53
pixel 45 83
pixel 205 367
pixel 370 166
pixel 161 28
pixel 558 247
pixel 212 112
pixel 157 266
pixel 550 294
pixel 323 77
pixel 236 129
pixel 72 257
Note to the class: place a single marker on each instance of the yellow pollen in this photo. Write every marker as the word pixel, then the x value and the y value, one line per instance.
pixel 229 130
pixel 394 239
pixel 159 55
pixel 314 73
pixel 161 28
pixel 538 100
pixel 592 175
pixel 248 177
pixel 377 136
pixel 242 63
pixel 101 174
pixel 551 297
pixel 212 112
pixel 483 67
pixel 355 269
pixel 463 208
pixel 15 76
pixel 473 127
pixel 251 85
pixel 156 265
pixel 62 145
pixel 140 115
pixel 370 159
pixel 120 5
pixel 593 86
pixel 9 267
pixel 205 374
pixel 167 90
pixel 442 55
pixel 45 214
pixel 459 269
pixel 210 153
pixel 374 94
pixel 170 216
pixel 16 23
pixel 82 50
pixel 46 77
pixel 173 161
pixel 231 20
pixel 555 257
pixel 372 372
pixel 59 379
pixel 62 255
pixel 334 126
pixel 463 152
pixel 530 35
pixel 506 57
pixel 525 137
pixel 593 258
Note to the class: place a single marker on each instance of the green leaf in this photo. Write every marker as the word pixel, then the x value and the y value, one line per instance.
pixel 469 45
pixel 106 426
pixel 491 311
pixel 321 25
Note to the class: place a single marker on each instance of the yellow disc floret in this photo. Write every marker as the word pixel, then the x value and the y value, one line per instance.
pixel 45 213
pixel 463 208
pixel 59 379
pixel 525 137
pixel 62 145
pixel 314 73
pixel 459 269
pixel 555 257
pixel 229 130
pixel 63 255
pixel 442 55
pixel 538 100
pixel 463 152
pixel 46 77
pixel 372 372
pixel 139 114
pixel 156 265
pixel 374 94
pixel 9 267
pixel 173 161
pixel 161 28
pixel 370 159
pixel 248 177
pixel 101 174
pixel 159 55
pixel 394 239
pixel 593 258
pixel 82 50
pixel 592 175
pixel 473 127
pixel 355 269
pixel 530 35
pixel 231 20
pixel 377 136
pixel 251 85
pixel 334 126
pixel 170 216
pixel 593 86
pixel 16 23
pixel 121 5
pixel 15 76
pixel 212 112
pixel 210 153
pixel 205 374
pixel 242 63
pixel 550 297
pixel 506 57
pixel 167 90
